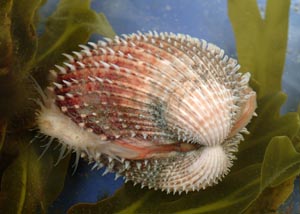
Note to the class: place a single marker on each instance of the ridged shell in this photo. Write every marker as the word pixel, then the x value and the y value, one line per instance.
pixel 163 110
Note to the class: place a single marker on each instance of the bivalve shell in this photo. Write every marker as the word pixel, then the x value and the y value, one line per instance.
pixel 163 110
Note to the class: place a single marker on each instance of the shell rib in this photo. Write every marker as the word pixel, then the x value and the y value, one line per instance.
pixel 163 110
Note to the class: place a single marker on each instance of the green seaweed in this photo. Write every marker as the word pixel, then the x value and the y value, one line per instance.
pixel 282 166
pixel 19 40
pixel 70 25
pixel 261 43
pixel 271 198
pixel 30 184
